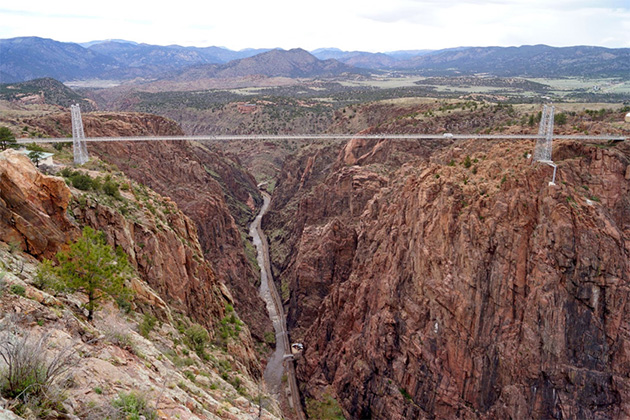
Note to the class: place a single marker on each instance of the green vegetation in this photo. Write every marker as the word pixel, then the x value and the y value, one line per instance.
pixel 405 394
pixel 270 338
pixel 230 325
pixel 35 156
pixel 17 289
pixel 147 325
pixel 7 139
pixel 133 406
pixel 110 188
pixel 197 338
pixel 560 119
pixel 328 409
pixel 84 182
pixel 90 267
pixel 31 378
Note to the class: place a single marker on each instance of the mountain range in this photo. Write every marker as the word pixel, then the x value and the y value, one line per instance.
pixel 28 58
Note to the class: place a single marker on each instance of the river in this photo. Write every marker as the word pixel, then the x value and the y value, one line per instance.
pixel 275 366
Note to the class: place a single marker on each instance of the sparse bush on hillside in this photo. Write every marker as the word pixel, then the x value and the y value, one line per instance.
pixel 82 181
pixel 29 376
pixel 132 406
pixel 147 325
pixel 230 325
pixel 560 119
pixel 197 339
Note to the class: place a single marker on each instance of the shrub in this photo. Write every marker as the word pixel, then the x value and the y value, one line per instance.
pixel 560 119
pixel 82 181
pixel 29 376
pixel 197 338
pixel 132 406
pixel 111 188
pixel 147 325
pixel 17 289
pixel 467 162
pixel 270 338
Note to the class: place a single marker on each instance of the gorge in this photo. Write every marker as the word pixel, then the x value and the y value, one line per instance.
pixel 436 279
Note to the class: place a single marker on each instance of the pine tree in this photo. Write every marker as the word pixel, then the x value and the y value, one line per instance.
pixel 93 268
pixel 7 139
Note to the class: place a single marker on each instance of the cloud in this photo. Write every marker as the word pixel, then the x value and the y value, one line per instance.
pixel 370 25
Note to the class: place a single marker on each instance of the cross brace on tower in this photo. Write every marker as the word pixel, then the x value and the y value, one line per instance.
pixel 78 136
pixel 544 144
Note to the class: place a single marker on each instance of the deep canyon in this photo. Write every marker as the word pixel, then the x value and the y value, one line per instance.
pixel 438 279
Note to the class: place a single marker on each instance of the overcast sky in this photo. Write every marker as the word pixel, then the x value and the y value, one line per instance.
pixel 368 25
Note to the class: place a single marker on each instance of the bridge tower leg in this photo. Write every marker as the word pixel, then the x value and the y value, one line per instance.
pixel 544 144
pixel 78 136
pixel 542 152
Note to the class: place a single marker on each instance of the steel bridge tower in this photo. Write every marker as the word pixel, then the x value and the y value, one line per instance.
pixel 542 151
pixel 78 136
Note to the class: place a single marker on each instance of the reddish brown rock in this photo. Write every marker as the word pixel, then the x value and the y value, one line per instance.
pixel 208 186
pixel 32 207
pixel 477 292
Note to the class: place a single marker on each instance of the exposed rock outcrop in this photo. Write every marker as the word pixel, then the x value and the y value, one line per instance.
pixel 462 288
pixel 208 186
pixel 32 207
pixel 160 240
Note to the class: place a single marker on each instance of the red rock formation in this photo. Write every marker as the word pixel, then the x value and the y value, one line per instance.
pixel 166 253
pixel 454 292
pixel 208 186
pixel 32 207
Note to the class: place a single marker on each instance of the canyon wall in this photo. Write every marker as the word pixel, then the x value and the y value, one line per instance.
pixel 210 187
pixel 458 284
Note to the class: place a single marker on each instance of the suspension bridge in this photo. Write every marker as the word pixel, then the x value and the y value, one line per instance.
pixel 542 151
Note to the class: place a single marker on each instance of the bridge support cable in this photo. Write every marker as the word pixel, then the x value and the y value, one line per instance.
pixel 78 136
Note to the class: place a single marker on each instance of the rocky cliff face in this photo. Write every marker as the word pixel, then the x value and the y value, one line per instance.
pixel 160 240
pixel 115 355
pixel 458 284
pixel 208 186
pixel 32 207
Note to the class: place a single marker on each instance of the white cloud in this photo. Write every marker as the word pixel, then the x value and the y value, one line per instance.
pixel 352 24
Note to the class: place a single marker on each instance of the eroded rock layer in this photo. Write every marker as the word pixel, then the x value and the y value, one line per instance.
pixel 460 285
pixel 208 186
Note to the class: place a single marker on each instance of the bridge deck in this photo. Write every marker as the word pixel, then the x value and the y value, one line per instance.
pixel 321 137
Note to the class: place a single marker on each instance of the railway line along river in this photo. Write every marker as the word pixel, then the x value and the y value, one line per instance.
pixel 276 365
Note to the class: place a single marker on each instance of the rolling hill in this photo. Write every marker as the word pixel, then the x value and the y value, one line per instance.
pixel 45 91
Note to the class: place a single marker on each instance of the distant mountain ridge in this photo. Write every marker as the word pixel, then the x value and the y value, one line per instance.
pixel 30 58
pixel 275 63
pixel 527 61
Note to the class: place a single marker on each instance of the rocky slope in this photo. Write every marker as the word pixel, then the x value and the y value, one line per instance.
pixel 210 187
pixel 454 282
pixel 173 282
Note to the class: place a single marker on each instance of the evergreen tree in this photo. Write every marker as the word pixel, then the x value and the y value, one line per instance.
pixel 7 139
pixel 93 268
pixel 35 156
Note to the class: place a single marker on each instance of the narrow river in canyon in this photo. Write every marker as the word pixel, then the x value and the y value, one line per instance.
pixel 275 366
